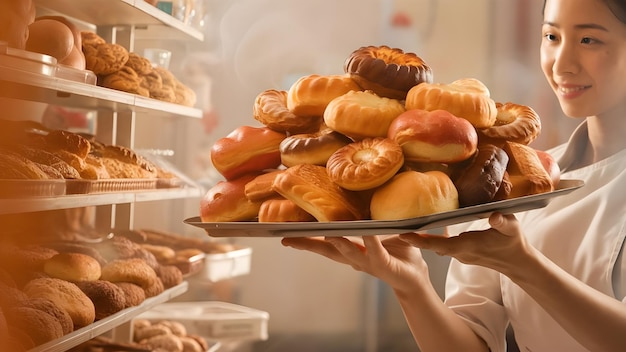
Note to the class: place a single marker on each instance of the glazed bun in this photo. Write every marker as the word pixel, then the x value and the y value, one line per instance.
pixel 467 98
pixel 270 108
pixel 435 136
pixel 412 194
pixel 479 181
pixel 515 123
pixel 245 150
pixel 550 165
pixel 227 201
pixel 311 148
pixel 526 172
pixel 362 114
pixel 310 95
pixel 389 72
pixel 366 164
pixel 310 188
pixel 283 210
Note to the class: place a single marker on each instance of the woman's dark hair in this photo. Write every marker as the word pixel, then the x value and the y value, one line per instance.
pixel 617 7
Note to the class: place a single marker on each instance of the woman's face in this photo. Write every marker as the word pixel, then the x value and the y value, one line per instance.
pixel 583 56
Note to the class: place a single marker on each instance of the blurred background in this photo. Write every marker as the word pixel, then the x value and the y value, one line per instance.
pixel 254 45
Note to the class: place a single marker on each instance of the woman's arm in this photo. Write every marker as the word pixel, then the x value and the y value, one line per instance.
pixel 434 326
pixel 594 319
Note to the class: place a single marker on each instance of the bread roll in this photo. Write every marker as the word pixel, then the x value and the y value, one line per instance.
pixel 282 210
pixel 413 194
pixel 73 267
pixel 436 136
pixel 467 98
pixel 311 148
pixel 226 201
pixel 310 95
pixel 526 172
pixel 260 187
pixel 245 150
pixel 361 115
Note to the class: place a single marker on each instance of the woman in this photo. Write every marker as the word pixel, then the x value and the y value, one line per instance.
pixel 556 274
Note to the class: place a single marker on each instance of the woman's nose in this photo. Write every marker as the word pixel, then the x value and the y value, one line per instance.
pixel 565 60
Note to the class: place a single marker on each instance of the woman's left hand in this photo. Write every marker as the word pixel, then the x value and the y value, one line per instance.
pixel 500 248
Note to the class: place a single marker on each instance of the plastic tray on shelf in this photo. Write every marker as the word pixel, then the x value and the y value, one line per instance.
pixel 221 266
pixel 27 61
pixel 214 320
pixel 108 185
pixel 76 75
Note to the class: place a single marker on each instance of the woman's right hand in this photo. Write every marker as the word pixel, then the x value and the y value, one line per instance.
pixel 388 258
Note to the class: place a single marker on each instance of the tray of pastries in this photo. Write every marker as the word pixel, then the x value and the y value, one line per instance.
pixel 381 227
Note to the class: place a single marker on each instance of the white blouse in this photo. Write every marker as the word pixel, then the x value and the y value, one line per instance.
pixel 583 232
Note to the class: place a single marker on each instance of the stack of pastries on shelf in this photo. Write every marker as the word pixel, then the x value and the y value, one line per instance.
pixel 381 141
pixel 53 283
pixel 113 64
pixel 29 150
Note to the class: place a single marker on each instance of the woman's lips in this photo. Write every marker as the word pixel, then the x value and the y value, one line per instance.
pixel 571 91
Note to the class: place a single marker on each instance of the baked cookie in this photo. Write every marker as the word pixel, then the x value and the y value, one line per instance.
pixel 106 58
pixel 126 80
pixel 140 64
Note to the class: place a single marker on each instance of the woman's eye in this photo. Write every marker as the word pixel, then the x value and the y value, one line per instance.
pixel 587 40
pixel 549 37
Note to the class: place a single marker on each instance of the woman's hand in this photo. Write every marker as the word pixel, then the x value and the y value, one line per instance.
pixel 388 258
pixel 501 247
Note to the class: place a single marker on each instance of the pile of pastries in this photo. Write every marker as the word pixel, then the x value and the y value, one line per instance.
pixel 53 284
pixel 381 141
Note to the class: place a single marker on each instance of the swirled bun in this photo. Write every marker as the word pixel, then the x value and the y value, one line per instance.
pixel 73 267
pixel 311 148
pixel 283 210
pixel 468 98
pixel 433 136
pixel 245 150
pixel 362 114
pixel 515 123
pixel 310 188
pixel 389 72
pixel 270 108
pixel 309 95
pixel 366 164
pixel 65 295
pixel 526 172
pixel 227 201
pixel 479 181
pixel 412 194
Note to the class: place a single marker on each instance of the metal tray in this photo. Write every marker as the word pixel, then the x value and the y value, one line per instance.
pixel 372 227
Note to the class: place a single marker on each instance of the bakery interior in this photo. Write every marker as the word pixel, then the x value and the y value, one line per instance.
pixel 223 54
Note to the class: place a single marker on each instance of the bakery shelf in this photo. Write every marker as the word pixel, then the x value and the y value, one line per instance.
pixel 13 206
pixel 101 326
pixel 24 85
pixel 122 12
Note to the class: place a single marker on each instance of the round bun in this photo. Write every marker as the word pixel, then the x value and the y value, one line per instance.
pixel 311 148
pixel 467 98
pixel 430 192
pixel 73 267
pixel 362 114
pixel 479 182
pixel 283 210
pixel 50 37
pixel 270 108
pixel 133 270
pixel 309 95
pixel 227 201
pixel 40 326
pixel 515 123
pixel 310 188
pixel 107 297
pixel 245 150
pixel 365 164
pixel 389 72
pixel 65 295
pixel 134 295
pixel 48 306
pixel 433 136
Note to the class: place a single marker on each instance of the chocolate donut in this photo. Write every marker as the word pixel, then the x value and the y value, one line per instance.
pixel 479 182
